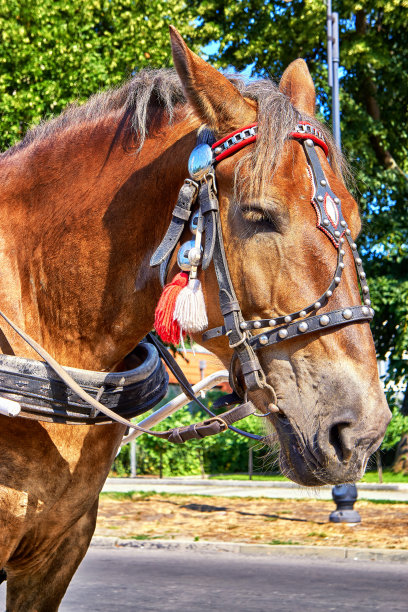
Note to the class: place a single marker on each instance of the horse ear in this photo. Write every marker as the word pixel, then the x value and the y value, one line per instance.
pixel 214 98
pixel 297 84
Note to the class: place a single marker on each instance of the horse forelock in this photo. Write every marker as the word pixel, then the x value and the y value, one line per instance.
pixel 162 88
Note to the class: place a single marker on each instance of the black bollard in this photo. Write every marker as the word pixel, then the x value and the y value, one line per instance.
pixel 344 496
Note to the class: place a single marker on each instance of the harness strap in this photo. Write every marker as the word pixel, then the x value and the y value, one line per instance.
pixel 209 209
pixel 188 389
pixel 212 426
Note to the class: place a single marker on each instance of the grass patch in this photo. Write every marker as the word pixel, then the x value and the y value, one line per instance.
pixel 282 543
pixel 128 495
pixel 386 502
pixel 388 477
pixel 372 477
pixel 317 534
pixel 256 477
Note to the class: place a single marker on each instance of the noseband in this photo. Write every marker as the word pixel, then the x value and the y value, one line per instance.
pixel 201 189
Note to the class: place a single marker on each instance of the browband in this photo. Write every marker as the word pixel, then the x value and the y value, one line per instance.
pixel 244 136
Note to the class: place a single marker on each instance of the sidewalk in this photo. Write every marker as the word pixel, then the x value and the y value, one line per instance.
pixel 251 488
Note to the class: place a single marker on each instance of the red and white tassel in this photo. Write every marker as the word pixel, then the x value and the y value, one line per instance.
pixel 164 321
pixel 190 312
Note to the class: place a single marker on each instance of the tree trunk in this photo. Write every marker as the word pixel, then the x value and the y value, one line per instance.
pixel 401 456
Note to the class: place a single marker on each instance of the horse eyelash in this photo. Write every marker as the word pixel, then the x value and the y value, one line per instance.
pixel 257 215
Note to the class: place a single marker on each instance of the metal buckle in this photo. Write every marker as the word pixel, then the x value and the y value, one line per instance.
pixel 189 181
pixel 211 176
pixel 243 339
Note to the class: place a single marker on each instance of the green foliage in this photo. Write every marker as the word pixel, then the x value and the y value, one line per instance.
pixel 227 452
pixel 53 52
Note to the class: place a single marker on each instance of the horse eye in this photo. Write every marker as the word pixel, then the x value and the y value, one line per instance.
pixel 260 216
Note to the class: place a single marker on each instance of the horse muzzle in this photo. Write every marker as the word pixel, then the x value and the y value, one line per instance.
pixel 336 452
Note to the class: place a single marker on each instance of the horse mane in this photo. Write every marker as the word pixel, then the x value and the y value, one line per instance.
pixel 162 88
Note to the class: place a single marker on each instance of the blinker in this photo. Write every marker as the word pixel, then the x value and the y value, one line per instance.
pixel 200 161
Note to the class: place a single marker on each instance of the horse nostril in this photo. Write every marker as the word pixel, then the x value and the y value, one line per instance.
pixel 339 440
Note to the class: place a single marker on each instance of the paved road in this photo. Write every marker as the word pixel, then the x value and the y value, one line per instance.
pixel 234 488
pixel 116 580
pixel 127 579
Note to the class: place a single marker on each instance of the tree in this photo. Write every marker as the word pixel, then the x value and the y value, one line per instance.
pixel 55 52
pixel 268 35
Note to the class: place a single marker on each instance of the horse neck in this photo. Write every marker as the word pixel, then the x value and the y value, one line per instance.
pixel 87 213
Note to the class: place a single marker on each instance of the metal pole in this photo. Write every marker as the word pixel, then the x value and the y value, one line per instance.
pixel 329 43
pixel 335 76
pixel 343 495
pixel 133 464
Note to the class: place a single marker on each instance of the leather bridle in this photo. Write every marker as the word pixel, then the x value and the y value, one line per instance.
pixel 201 189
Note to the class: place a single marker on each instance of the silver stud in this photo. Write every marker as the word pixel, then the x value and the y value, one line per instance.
pixel 367 302
pixel 354 246
pixel 257 324
pixel 341 240
pixel 323 183
pixel 324 320
pixel 343 223
pixel 372 312
pixel 303 327
pixel 337 234
pixel 348 232
pixel 362 275
pixel 341 265
pixel 329 293
pixel 218 150
pixel 358 261
pixel 263 340
pixel 336 201
pixel 365 310
pixel 317 305
pixel 337 279
pixel 309 142
pixel 282 333
pixel 365 289
pixel 243 325
pixel 342 252
pixel 320 198
pixel 272 322
pixel 326 222
pixel 288 319
pixel 302 313
pixel 347 314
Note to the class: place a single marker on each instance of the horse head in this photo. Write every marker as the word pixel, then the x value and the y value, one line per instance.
pixel 321 388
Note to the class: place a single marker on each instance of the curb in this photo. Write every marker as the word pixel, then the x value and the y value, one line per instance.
pixel 368 486
pixel 333 553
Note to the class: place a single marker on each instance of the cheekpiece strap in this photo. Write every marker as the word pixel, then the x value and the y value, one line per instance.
pixel 181 214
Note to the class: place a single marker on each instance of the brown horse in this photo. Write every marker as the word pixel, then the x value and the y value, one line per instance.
pixel 86 199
